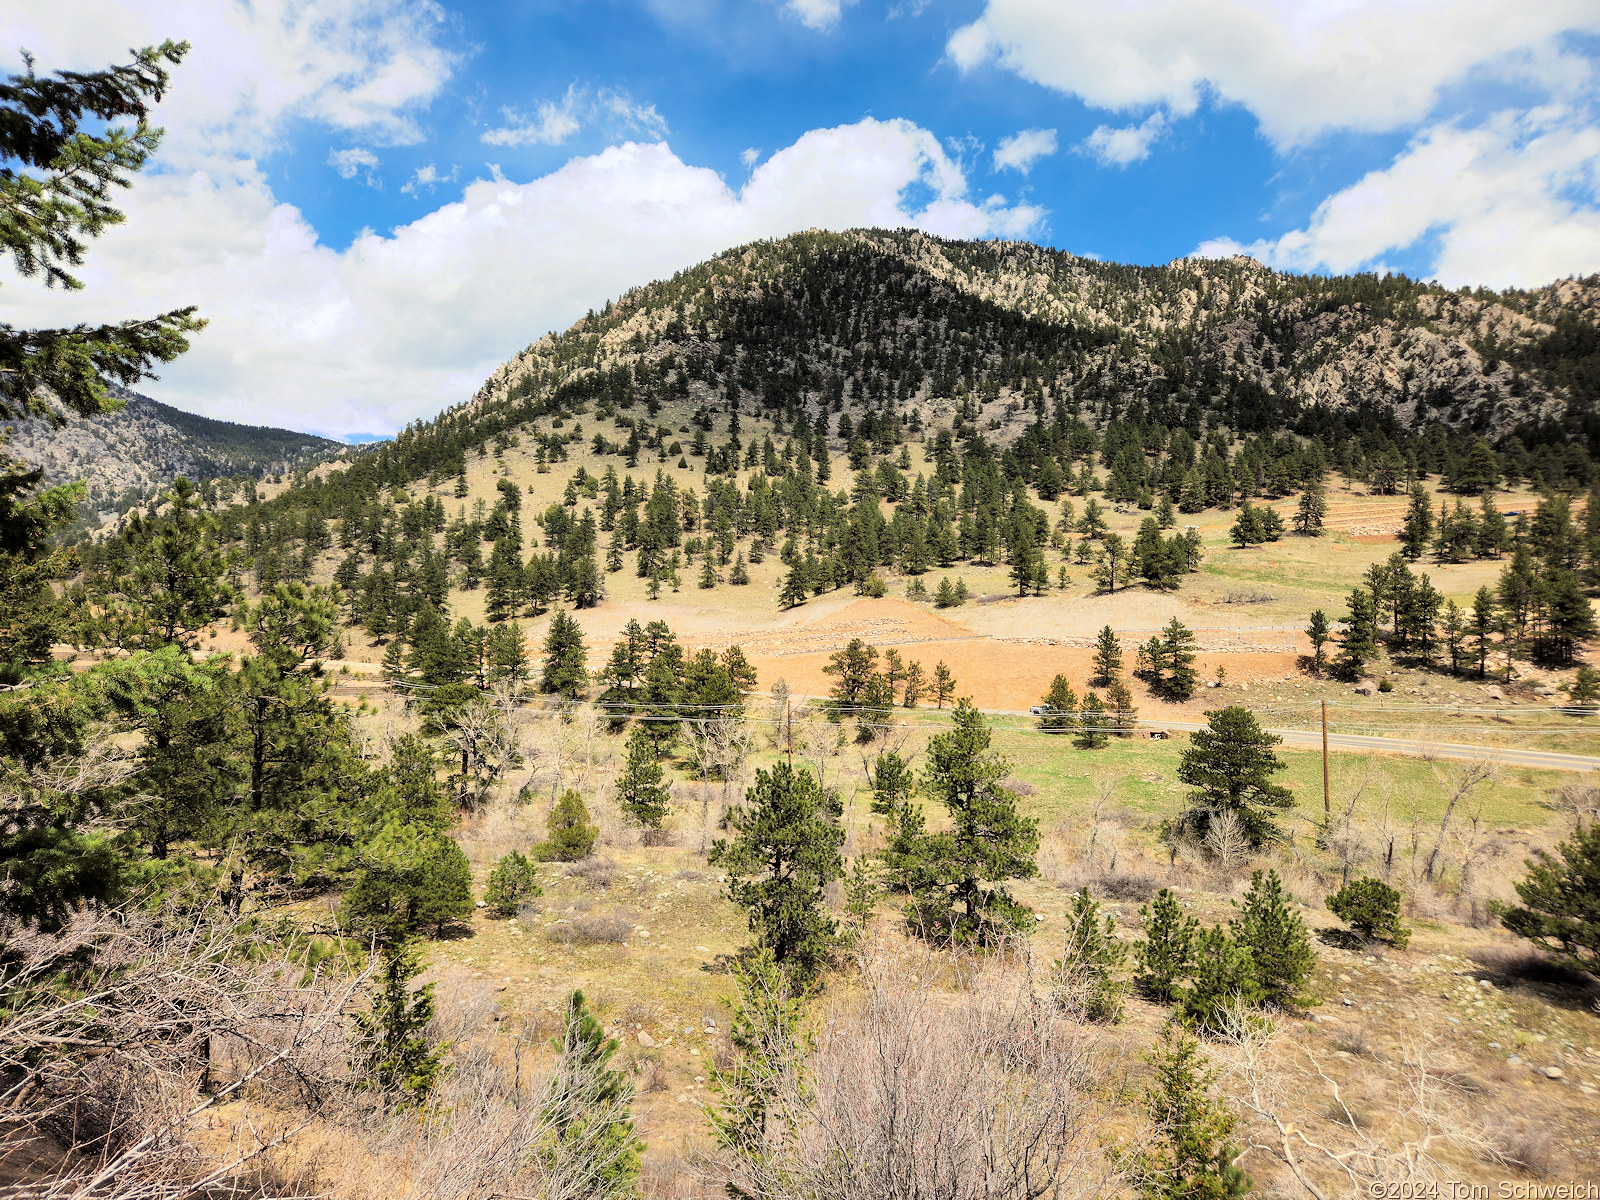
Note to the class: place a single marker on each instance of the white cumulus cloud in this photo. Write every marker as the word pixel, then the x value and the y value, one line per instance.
pixel 1511 202
pixel 1301 67
pixel 357 160
pixel 1113 146
pixel 821 15
pixel 1021 150
pixel 554 121
pixel 353 66
pixel 426 178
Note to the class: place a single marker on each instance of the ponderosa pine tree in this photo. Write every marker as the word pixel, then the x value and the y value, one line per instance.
pixel 1318 635
pixel 1229 765
pixel 944 684
pixel 1166 954
pixel 1060 707
pixel 959 882
pixel 784 853
pixel 1191 1156
pixel 63 151
pixel 393 1055
pixel 565 659
pixel 513 880
pixel 591 1149
pixel 1560 909
pixel 1312 511
pixel 1107 657
pixel 1094 729
pixel 641 792
pixel 569 836
pixel 1086 972
pixel 1280 948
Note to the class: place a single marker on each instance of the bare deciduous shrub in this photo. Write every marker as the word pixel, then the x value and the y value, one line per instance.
pixel 1578 801
pixel 660 837
pixel 988 1094
pixel 166 1026
pixel 1526 1148
pixel 595 872
pixel 1275 1081
pixel 590 929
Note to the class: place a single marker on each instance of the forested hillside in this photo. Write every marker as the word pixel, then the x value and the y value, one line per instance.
pixel 125 456
pixel 990 402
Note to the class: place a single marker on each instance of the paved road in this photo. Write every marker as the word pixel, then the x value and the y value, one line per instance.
pixel 1412 747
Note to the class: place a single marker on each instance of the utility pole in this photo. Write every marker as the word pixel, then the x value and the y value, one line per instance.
pixel 1327 805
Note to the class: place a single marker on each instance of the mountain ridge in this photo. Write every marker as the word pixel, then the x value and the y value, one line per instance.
pixel 127 455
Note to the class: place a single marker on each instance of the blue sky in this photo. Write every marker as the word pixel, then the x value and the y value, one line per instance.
pixel 377 202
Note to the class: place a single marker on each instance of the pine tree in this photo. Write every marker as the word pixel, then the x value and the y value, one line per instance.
pixel 1312 512
pixel 1107 656
pixel 1372 909
pixel 64 149
pixel 708 573
pixel 769 1049
pixel 1418 527
pixel 1175 674
pixel 1060 707
pixel 1093 727
pixel 393 1056
pixel 739 576
pixel 591 1150
pixel 1358 643
pixel 1190 1156
pixel 794 587
pixel 565 659
pixel 1085 974
pixel 988 842
pixel 914 686
pixel 640 790
pixel 1277 940
pixel 785 852
pixel 1317 634
pixel 1229 764
pixel 1560 909
pixel 1222 980
pixel 569 836
pixel 944 684
pixel 512 881
pixel 1166 954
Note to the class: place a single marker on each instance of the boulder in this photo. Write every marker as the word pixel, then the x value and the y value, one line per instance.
pixel 646 1040
pixel 1366 688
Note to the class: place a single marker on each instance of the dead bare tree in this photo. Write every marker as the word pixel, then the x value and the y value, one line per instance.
pixel 487 733
pixel 1462 781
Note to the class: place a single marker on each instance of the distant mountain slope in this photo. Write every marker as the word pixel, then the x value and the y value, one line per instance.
pixel 126 455
pixel 913 318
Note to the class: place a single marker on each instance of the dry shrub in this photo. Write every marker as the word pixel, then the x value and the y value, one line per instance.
pixel 1353 1039
pixel 983 1094
pixel 1525 1147
pixel 528 912
pixel 660 837
pixel 1130 885
pixel 591 929
pixel 594 872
